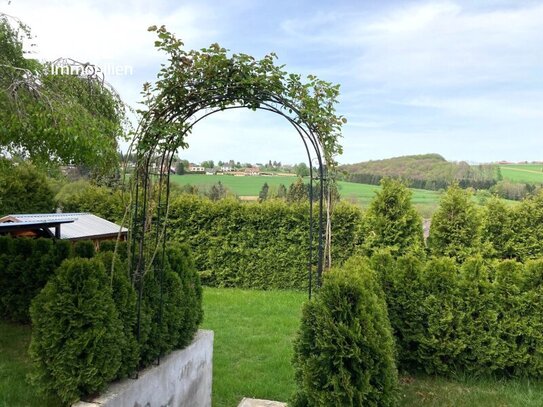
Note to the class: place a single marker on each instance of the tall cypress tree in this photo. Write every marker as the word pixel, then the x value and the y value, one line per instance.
pixel 455 228
pixel 392 221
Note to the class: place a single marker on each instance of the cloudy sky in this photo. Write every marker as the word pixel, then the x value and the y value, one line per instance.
pixel 460 78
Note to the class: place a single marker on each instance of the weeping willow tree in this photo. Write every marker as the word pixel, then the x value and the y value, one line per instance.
pixel 60 112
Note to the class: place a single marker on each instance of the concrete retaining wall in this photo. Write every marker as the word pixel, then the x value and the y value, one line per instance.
pixel 183 378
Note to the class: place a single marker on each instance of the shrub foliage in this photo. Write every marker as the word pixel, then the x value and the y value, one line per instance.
pixel 392 221
pixel 260 246
pixel 77 335
pixel 25 267
pixel 85 319
pixel 483 317
pixel 455 228
pixel 344 350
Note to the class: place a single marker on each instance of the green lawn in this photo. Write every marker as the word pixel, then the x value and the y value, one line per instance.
pixel 15 391
pixel 253 349
pixel 252 358
pixel 523 173
pixel 251 186
pixel 253 342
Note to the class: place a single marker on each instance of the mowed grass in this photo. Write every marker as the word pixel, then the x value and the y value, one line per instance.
pixel 523 173
pixel 253 351
pixel 15 366
pixel 254 331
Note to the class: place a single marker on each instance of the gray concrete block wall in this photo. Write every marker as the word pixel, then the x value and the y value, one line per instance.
pixel 183 378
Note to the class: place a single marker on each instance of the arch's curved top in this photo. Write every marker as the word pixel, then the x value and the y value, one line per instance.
pixel 193 83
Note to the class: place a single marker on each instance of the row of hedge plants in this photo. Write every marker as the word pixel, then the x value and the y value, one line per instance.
pixel 484 317
pixel 256 245
pixel 25 267
pixel 438 316
pixel 85 328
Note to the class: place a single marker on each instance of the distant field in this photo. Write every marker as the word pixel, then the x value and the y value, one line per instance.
pixel 248 186
pixel 523 173
pixel 251 186
pixel 425 201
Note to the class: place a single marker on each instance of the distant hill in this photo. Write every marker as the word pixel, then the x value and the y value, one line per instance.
pixel 425 171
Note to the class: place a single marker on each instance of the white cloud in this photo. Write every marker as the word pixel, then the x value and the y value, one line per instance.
pixel 495 109
pixel 233 134
pixel 431 44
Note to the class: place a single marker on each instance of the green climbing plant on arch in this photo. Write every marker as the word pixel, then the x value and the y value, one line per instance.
pixel 194 84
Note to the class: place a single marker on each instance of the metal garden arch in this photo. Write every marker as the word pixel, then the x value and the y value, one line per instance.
pixel 195 85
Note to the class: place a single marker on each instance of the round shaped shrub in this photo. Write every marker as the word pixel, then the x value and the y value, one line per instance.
pixel 344 350
pixel 75 346
pixel 113 245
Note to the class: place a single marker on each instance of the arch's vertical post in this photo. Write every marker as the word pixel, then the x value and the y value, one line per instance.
pixel 320 249
pixel 310 259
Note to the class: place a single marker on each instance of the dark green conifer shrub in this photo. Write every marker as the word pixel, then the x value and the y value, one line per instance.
pixel 392 221
pixel 527 229
pixel 455 229
pixel 75 346
pixel 124 297
pixel 170 318
pixel 62 249
pixel 110 245
pixel 484 317
pixel 497 230
pixel 107 246
pixel 180 262
pixel 84 249
pixel 401 280
pixel 25 267
pixel 440 341
pixel 344 350
pixel 162 316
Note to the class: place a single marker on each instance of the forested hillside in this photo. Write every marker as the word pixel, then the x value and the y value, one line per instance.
pixel 426 171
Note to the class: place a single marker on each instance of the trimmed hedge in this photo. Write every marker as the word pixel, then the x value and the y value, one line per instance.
pixel 344 350
pixel 251 245
pixel 173 324
pixel 84 249
pixel 85 321
pixel 125 300
pixel 25 267
pixel 483 317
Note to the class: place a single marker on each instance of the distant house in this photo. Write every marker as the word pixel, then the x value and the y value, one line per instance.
pixel 252 171
pixel 67 226
pixel 225 168
pixel 193 168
